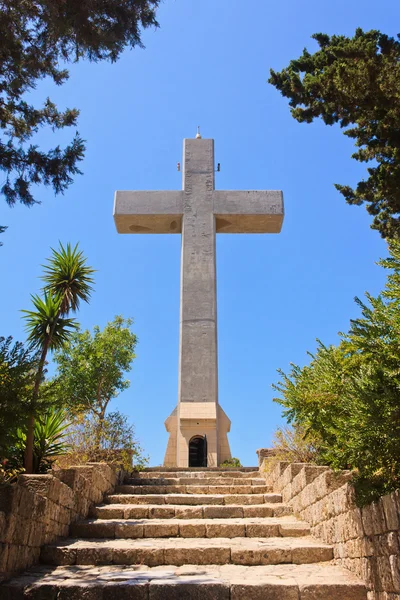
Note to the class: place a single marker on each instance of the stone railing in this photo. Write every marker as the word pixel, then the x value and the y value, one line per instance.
pixel 365 540
pixel 37 509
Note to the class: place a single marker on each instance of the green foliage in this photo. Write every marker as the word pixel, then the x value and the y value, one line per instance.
pixel 232 462
pixel 348 396
pixel 68 277
pixel 291 444
pixel 116 444
pixel 44 325
pixel 355 82
pixel 68 281
pixel 38 40
pixel 50 436
pixel 18 366
pixel 91 367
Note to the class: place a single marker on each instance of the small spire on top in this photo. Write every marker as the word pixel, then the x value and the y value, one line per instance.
pixel 198 134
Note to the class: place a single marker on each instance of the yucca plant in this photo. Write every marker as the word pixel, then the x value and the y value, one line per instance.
pixel 50 442
pixel 68 281
pixel 67 277
pixel 50 439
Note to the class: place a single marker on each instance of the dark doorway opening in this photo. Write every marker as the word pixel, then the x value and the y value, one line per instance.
pixel 198 451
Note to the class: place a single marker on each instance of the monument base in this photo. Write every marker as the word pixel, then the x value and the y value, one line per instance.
pixel 210 422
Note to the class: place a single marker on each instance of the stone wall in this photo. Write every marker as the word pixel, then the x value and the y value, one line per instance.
pixel 365 540
pixel 37 509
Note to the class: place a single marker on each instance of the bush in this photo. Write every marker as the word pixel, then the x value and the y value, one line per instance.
pixel 111 440
pixel 232 462
pixel 291 444
pixel 347 398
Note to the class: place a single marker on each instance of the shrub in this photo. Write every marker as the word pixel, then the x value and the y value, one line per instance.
pixel 348 396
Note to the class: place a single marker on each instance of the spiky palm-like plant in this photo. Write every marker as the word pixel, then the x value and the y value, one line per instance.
pixel 68 281
pixel 67 276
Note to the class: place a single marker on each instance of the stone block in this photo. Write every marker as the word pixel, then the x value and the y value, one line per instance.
pixel 293 529
pixel 129 530
pixel 314 590
pixel 279 510
pixel 190 512
pixel 384 574
pixel 349 525
pixel 152 557
pixel 241 489
pixel 261 556
pixel 10 496
pixel 216 555
pixel 3 557
pixel 391 511
pixel 88 591
pixel 311 554
pixel 113 512
pixel 93 529
pixel 138 512
pixel 225 530
pixel 21 532
pixel 262 530
pixel 58 555
pixel 188 590
pixel 196 489
pixel 290 473
pixel 92 555
pixel 131 590
pixel 394 562
pixel 223 512
pixel 161 530
pixel 192 530
pixel 281 590
pixel 306 476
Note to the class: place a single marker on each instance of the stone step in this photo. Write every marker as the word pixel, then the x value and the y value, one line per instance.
pixel 196 471
pixel 221 476
pixel 189 528
pixel 225 582
pixel 193 499
pixel 228 481
pixel 187 551
pixel 193 489
pixel 133 511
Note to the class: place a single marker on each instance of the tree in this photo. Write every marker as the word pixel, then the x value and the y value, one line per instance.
pixel 39 39
pixel 347 398
pixel 90 369
pixel 355 82
pixel 68 281
pixel 18 366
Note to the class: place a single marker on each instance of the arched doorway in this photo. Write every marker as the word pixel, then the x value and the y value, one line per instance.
pixel 198 451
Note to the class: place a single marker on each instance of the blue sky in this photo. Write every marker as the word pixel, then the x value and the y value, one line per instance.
pixel 208 64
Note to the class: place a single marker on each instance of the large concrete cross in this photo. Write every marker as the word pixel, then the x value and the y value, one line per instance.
pixel 198 212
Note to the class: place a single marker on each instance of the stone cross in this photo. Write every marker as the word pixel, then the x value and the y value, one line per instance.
pixel 198 212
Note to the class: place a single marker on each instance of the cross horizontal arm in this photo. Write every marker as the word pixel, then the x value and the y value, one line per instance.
pixel 248 211
pixel 148 212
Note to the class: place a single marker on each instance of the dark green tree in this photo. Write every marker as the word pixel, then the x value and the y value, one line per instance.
pixel 38 40
pixel 18 367
pixel 355 82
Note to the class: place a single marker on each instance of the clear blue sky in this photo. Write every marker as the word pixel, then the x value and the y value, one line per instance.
pixel 208 64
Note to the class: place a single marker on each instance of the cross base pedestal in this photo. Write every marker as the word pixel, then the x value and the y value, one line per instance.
pixel 197 420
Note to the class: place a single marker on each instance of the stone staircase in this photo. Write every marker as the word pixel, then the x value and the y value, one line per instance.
pixel 214 534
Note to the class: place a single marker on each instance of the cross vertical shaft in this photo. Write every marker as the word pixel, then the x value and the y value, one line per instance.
pixel 198 324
